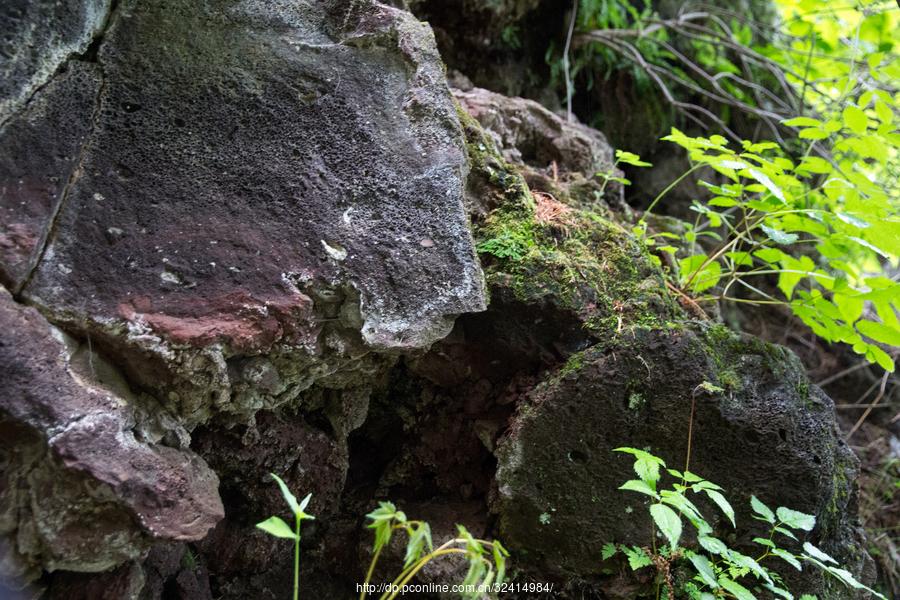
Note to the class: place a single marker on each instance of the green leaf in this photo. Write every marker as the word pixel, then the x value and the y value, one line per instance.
pixel 723 202
pixel 500 556
pixel 795 519
pixel 701 274
pixel 786 532
pixel 631 159
pixel 762 510
pixel 473 545
pixel 879 332
pixel 288 496
pixel 637 557
pixel 764 542
pixel 814 164
pixel 778 236
pixel 668 521
pixel 419 540
pixel 880 357
pixel 852 220
pixel 813 134
pixel 850 307
pixel 788 558
pixel 687 508
pixel 739 591
pixel 704 569
pixel 383 519
pixel 855 119
pixel 742 560
pixel 778 591
pixel 817 554
pixel 712 545
pixel 722 503
pixel 802 122
pixel 608 551
pixel 768 183
pixel 646 466
pixel 277 527
pixel 636 485
pixel 847 578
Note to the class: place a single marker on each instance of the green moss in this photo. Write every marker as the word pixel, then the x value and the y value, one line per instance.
pixel 576 260
pixel 729 379
pixel 636 401
pixel 573 365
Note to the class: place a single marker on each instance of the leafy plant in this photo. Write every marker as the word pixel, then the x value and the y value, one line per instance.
pixel 487 560
pixel 718 571
pixel 823 228
pixel 275 526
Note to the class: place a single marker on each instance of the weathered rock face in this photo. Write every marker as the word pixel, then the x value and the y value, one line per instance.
pixel 766 431
pixel 528 133
pixel 345 233
pixel 232 200
pixel 39 37
pixel 333 193
pixel 81 489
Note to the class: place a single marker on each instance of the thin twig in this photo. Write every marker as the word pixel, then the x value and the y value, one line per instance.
pixel 568 75
pixel 865 415
pixel 843 373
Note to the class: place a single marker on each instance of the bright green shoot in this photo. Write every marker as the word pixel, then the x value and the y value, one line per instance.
pixel 487 560
pixel 277 527
pixel 718 570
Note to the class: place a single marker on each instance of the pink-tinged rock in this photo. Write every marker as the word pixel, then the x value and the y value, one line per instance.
pixel 96 493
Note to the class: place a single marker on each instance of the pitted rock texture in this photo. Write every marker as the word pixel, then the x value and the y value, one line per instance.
pixel 243 154
pixel 39 36
pixel 767 432
pixel 80 489
pixel 557 158
pixel 39 153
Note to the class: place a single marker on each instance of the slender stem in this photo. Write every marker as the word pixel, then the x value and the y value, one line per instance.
pixel 362 594
pixel 568 75
pixel 687 459
pixel 411 572
pixel 668 189
pixel 297 560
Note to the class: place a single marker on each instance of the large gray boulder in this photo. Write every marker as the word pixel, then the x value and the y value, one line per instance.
pixel 356 177
pixel 218 180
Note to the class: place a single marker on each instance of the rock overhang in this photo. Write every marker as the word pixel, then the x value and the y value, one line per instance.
pixel 303 148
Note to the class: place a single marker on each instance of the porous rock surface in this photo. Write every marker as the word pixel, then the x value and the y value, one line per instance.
pixel 356 178
pixel 759 428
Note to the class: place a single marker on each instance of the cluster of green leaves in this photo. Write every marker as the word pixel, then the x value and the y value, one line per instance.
pixel 822 227
pixel 718 570
pixel 486 559
pixel 832 51
pixel 275 526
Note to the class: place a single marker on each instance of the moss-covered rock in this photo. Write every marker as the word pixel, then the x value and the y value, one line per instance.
pixel 556 249
pixel 759 428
